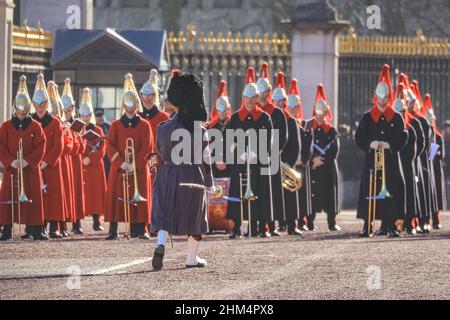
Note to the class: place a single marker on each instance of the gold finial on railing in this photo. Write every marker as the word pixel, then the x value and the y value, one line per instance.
pixel 229 42
pixel 181 40
pixel 191 37
pixel 257 43
pixel 248 43
pixel 211 40
pixel 266 43
pixel 172 42
pixel 239 42
pixel 25 24
pixel 284 44
pixel 220 42
pixel 419 45
pixel 32 37
pixel 202 42
pixel 275 43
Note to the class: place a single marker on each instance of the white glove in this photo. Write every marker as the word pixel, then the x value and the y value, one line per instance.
pixel 124 166
pixel 25 163
pixel 374 144
pixel 15 164
pixel 86 161
pixel 385 145
pixel 43 165
pixel 317 162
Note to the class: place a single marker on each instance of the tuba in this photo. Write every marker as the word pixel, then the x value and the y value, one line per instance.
pixel 292 180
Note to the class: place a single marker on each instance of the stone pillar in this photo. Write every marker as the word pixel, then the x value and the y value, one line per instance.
pixel 315 52
pixel 6 25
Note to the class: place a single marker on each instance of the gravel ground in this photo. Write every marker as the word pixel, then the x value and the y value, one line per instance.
pixel 318 265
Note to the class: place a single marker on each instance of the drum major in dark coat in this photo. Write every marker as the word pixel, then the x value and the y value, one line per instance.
pixel 179 210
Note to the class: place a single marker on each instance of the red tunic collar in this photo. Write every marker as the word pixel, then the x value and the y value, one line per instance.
pixel 326 126
pixel 269 108
pixel 287 114
pixel 255 113
pixel 215 121
pixel 375 113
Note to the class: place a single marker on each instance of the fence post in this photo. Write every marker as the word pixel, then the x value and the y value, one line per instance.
pixel 315 56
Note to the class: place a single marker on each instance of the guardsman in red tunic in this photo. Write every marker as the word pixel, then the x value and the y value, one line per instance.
pixel 291 155
pixel 22 147
pixel 53 192
pixel 220 117
pixel 77 173
pixel 129 126
pixel 151 112
pixel 93 168
pixel 279 123
pixel 436 164
pixel 68 104
pixel 150 102
pixel 324 168
pixel 382 129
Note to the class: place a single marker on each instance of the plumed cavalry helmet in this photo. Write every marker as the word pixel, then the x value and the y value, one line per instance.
pixel 400 99
pixel 151 86
pixel 321 105
pixel 67 97
pixel 384 88
pixel 130 97
pixel 40 91
pixel 294 99
pixel 279 93
pixel 263 81
pixel 86 108
pixel 222 102
pixel 22 100
pixel 251 89
pixel 429 113
pixel 294 94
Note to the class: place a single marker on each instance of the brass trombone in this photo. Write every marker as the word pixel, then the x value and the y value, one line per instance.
pixel 248 196
pixel 130 158
pixel 21 196
pixel 379 165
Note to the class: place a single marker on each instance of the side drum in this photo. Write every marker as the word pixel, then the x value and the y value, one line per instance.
pixel 217 210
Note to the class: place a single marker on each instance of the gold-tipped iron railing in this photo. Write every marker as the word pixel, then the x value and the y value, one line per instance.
pixel 419 45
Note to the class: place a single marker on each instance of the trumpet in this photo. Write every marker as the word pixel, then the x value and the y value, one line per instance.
pixel 292 180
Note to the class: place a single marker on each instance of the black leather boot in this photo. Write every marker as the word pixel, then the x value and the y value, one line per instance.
pixel 7 232
pixel 113 235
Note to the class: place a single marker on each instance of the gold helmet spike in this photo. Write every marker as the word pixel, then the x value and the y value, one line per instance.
pixel 40 91
pixel 154 77
pixel 22 100
pixel 86 108
pixel 54 104
pixel 130 97
pixel 67 96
